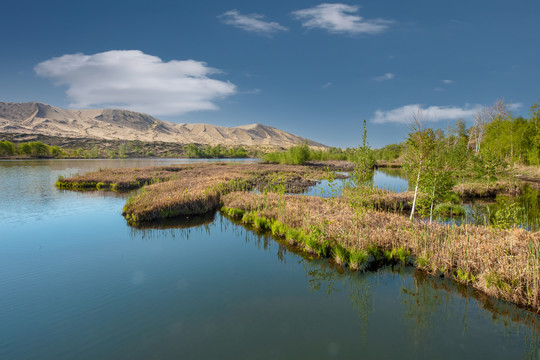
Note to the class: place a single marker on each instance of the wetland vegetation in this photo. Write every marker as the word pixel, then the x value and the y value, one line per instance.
pixel 366 227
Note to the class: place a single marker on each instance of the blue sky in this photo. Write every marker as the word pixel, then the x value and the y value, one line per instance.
pixel 311 68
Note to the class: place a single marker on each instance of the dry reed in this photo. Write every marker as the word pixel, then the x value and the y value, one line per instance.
pixel 190 189
pixel 487 189
pixel 502 263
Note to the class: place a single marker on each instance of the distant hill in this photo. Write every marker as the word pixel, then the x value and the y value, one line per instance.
pixel 113 124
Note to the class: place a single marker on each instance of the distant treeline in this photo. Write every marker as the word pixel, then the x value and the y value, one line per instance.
pixel 37 149
pixel 495 134
pixel 301 153
pixel 33 149
pixel 215 152
pixel 390 153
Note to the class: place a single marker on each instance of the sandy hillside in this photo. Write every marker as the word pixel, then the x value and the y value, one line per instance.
pixel 113 124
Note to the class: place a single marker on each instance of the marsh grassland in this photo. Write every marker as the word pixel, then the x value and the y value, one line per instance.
pixel 362 229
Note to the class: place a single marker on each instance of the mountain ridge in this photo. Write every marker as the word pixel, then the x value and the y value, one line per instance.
pixel 37 118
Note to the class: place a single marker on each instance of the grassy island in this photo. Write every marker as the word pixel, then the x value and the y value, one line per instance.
pixel 362 229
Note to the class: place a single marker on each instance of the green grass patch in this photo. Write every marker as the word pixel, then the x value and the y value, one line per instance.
pixel 340 254
pixel 357 259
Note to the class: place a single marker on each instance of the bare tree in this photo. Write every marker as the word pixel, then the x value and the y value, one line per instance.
pixel 483 117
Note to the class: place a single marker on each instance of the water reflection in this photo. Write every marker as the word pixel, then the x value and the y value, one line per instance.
pixel 386 179
pixel 392 179
pixel 181 222
pixel 428 302
pixel 504 211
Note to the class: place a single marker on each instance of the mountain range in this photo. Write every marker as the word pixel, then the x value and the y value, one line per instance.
pixel 114 124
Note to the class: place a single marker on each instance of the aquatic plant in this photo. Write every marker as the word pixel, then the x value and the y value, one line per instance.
pixel 449 209
pixel 340 254
pixel 357 258
pixel 262 223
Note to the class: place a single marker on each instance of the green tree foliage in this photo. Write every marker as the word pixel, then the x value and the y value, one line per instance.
pixel 94 153
pixel 390 152
pixel 192 151
pixel 436 161
pixel 295 155
pixel 364 161
pixel 438 178
pixel 332 153
pixel 420 144
pixel 298 154
pixel 215 152
pixel 237 152
pixel 7 148
pixel 56 151
pixel 38 149
pixel 513 140
pixel 25 149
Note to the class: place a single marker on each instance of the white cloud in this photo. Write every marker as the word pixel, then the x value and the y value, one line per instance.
pixel 448 82
pixel 515 106
pixel 404 114
pixel 327 85
pixel 387 76
pixel 251 22
pixel 133 80
pixel 340 18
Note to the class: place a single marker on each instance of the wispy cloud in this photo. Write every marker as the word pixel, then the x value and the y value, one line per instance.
pixel 327 85
pixel 251 22
pixel 404 114
pixel 387 76
pixel 253 91
pixel 448 82
pixel 136 81
pixel 340 19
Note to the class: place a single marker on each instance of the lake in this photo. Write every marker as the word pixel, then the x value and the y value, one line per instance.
pixel 78 283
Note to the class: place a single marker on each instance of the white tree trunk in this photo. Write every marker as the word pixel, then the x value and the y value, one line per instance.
pixel 416 191
pixel 432 200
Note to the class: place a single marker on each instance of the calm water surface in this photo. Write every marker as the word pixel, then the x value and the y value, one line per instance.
pixel 77 283
pixel 386 179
